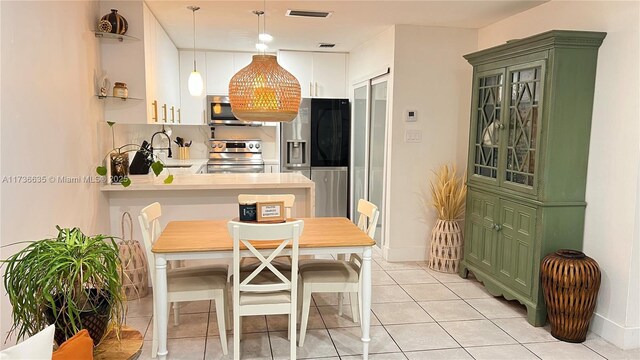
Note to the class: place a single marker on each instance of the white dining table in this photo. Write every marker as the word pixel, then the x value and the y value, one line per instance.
pixel 209 239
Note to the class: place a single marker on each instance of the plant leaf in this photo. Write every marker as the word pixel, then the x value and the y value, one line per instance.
pixel 169 179
pixel 110 123
pixel 101 170
pixel 157 167
pixel 125 182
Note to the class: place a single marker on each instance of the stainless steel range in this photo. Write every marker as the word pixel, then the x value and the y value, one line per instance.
pixel 235 156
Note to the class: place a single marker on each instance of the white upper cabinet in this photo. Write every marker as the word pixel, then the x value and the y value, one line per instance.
pixel 300 65
pixel 192 107
pixel 150 68
pixel 167 75
pixel 219 71
pixel 221 66
pixel 330 75
pixel 321 75
pixel 240 60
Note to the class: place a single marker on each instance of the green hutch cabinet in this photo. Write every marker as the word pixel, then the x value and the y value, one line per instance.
pixel 528 150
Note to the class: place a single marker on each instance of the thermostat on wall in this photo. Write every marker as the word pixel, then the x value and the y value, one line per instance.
pixel 412 116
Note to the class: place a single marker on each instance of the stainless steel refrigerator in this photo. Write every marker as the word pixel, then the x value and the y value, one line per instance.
pixel 316 144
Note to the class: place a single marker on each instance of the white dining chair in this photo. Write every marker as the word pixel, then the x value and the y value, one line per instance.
pixel 193 283
pixel 261 292
pixel 281 262
pixel 336 276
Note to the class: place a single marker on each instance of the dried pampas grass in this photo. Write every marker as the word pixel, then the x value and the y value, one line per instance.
pixel 448 193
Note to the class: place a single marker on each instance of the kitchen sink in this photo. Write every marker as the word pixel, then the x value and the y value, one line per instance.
pixel 177 166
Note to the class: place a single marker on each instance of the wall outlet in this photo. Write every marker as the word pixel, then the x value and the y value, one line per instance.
pixel 413 136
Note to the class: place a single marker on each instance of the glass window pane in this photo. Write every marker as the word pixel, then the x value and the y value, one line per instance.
pixel 488 115
pixel 523 124
pixel 359 147
pixel 376 150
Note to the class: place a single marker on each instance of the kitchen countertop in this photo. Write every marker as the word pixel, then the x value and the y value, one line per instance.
pixel 195 167
pixel 192 181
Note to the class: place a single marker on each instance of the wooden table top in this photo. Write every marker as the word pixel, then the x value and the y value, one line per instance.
pixel 212 235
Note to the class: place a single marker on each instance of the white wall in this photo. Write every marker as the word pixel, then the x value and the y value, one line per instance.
pixel 611 235
pixel 49 120
pixel 432 77
pixel 370 58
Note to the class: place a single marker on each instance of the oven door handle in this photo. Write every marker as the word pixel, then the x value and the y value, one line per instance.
pixel 221 168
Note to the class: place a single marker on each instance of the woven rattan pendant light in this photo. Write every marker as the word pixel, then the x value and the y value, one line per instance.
pixel 264 91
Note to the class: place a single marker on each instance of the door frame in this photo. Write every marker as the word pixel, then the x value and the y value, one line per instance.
pixel 385 77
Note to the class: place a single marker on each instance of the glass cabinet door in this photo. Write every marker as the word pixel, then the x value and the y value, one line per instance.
pixel 487 112
pixel 524 92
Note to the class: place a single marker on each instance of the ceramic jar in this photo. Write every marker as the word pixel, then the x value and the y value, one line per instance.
pixel 118 23
pixel 120 90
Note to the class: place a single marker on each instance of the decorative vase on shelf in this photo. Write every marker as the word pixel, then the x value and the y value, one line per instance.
pixel 446 246
pixel 118 23
pixel 570 281
pixel 119 167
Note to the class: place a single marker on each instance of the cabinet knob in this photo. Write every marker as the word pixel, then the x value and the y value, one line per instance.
pixel 500 125
pixel 497 227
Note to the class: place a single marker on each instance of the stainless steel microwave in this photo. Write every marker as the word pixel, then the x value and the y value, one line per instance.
pixel 219 112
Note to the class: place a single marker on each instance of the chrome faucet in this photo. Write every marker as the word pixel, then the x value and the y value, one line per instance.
pixel 168 148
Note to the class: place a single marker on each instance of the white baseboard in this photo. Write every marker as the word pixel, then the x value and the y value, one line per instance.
pixel 414 253
pixel 620 336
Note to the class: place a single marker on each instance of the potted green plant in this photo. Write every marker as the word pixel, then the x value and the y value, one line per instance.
pixel 448 196
pixel 119 162
pixel 72 280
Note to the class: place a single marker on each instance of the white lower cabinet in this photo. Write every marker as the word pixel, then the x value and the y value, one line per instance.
pixel 272 168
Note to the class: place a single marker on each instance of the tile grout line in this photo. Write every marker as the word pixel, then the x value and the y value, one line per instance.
pixel 498 326
pixel 411 297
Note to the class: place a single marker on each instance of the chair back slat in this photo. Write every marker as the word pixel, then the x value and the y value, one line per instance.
pixel 288 200
pixel 265 262
pixel 368 219
pixel 248 234
pixel 149 219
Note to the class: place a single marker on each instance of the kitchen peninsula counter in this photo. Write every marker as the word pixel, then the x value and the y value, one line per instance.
pixel 202 196
pixel 215 182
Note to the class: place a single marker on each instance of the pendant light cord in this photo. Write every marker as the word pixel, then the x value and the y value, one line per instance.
pixel 194 36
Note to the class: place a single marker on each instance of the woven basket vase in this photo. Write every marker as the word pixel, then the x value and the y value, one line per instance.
pixel 446 246
pixel 570 281
pixel 134 264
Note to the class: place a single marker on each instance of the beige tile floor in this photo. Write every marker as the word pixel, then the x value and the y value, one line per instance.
pixel 416 314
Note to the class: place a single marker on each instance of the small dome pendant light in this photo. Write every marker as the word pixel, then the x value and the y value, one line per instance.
pixel 263 90
pixel 195 83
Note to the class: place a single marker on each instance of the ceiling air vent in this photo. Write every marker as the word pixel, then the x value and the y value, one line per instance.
pixel 307 13
pixel 326 45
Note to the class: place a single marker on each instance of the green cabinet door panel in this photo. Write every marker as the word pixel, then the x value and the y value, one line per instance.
pixel 530 124
pixel 516 240
pixel 481 214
